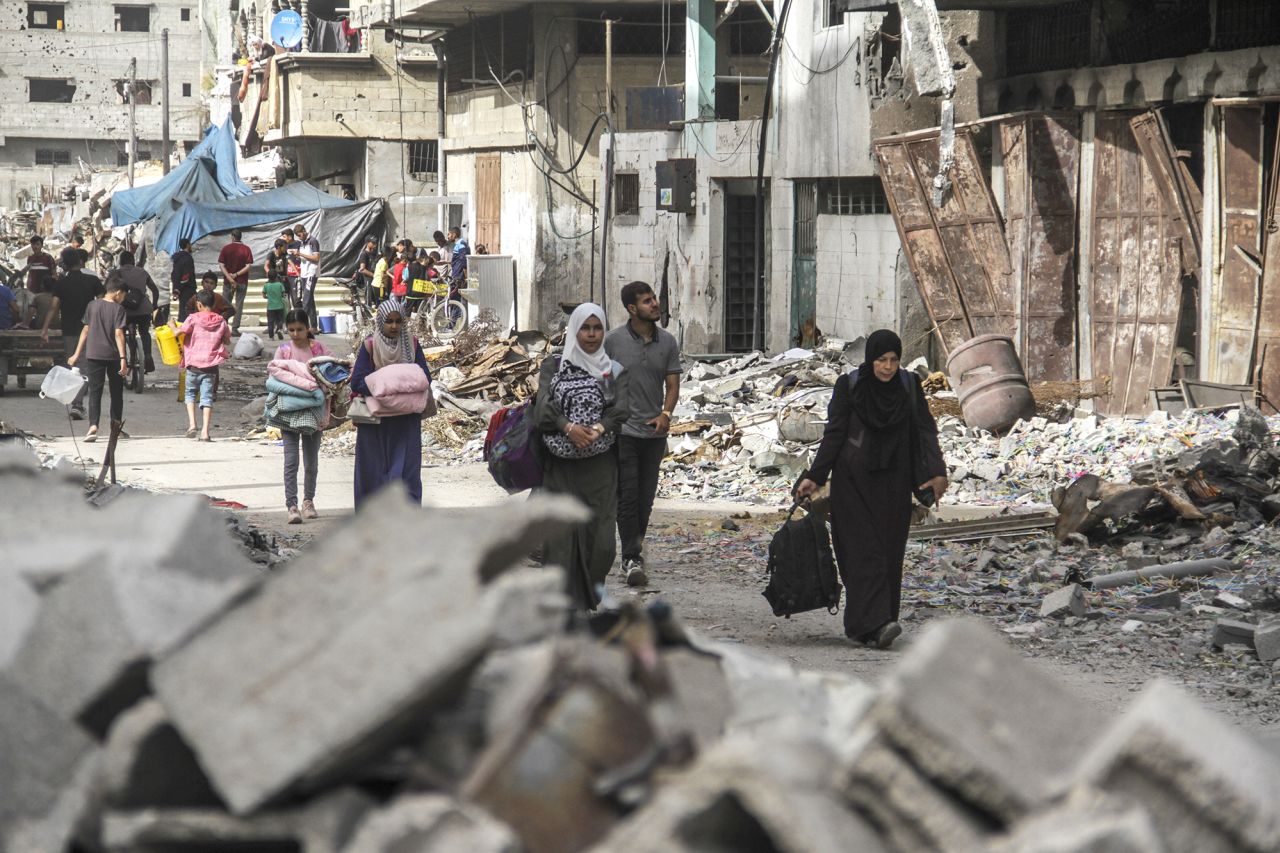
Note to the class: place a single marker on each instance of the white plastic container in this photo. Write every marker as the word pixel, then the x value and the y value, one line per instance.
pixel 62 384
pixel 343 321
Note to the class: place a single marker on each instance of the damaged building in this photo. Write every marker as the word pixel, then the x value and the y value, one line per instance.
pixel 1113 209
pixel 64 76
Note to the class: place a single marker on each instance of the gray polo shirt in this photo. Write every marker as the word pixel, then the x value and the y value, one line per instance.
pixel 649 363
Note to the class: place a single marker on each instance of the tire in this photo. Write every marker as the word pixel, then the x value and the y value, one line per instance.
pixel 134 380
pixel 443 324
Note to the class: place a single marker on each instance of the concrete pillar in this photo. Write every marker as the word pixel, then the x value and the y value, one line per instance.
pixel 700 60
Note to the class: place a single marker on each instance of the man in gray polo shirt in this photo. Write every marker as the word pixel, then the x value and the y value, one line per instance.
pixel 652 357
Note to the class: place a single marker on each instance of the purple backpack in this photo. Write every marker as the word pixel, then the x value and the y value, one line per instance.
pixel 512 449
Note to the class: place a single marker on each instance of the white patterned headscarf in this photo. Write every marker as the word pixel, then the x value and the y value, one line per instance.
pixel 598 364
pixel 387 350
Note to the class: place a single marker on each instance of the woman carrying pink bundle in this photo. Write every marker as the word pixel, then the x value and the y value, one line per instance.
pixel 301 347
pixel 206 335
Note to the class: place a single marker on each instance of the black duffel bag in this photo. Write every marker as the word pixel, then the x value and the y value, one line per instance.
pixel 802 570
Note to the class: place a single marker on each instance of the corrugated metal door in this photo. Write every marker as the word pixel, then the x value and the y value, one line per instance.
pixel 488 202
pixel 740 317
pixel 1178 192
pixel 804 269
pixel 1234 322
pixel 957 251
pixel 1137 270
pixel 1041 156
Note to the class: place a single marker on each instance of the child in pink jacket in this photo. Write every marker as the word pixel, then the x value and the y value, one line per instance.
pixel 206 335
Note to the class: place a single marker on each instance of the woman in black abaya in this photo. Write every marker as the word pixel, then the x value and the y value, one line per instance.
pixel 880 446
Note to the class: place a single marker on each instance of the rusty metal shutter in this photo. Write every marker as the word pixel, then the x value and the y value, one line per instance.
pixel 1041 156
pixel 489 202
pixel 1234 318
pixel 957 252
pixel 1182 199
pixel 1136 280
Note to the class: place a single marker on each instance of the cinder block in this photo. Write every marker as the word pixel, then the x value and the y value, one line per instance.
pixel 431 822
pixel 100 627
pixel 1266 639
pixel 339 653
pixel 980 720
pixel 1226 631
pixel 1068 601
pixel 324 825
pixel 47 765
pixel 1207 785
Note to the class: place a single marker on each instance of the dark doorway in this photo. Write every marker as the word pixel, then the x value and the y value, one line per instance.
pixel 741 319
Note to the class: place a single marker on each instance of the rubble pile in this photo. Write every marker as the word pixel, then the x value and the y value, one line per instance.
pixel 164 694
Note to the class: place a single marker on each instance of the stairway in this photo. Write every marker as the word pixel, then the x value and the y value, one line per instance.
pixel 328 299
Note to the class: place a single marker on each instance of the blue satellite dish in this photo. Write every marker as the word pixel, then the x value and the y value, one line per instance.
pixel 286 29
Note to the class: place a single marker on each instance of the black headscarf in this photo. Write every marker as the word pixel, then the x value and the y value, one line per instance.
pixel 883 407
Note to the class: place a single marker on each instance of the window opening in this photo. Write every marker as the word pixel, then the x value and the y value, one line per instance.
pixel 626 194
pixel 49 91
pixel 46 16
pixel 852 197
pixel 52 157
pixel 424 157
pixel 133 19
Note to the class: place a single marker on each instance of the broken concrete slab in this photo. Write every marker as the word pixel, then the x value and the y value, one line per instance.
pixel 739 797
pixel 1167 600
pixel 47 765
pixel 99 628
pixel 145 764
pixel 339 653
pixel 19 604
pixel 1228 631
pixel 531 605
pixel 1068 601
pixel 1207 785
pixel 424 823
pixel 1266 640
pixel 980 720
pixel 1091 826
pixel 910 811
pixel 324 825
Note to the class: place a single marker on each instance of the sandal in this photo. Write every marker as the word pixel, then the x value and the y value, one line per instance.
pixel 192 433
pixel 92 435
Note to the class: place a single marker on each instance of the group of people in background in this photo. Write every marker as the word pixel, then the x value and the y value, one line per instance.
pixel 411 272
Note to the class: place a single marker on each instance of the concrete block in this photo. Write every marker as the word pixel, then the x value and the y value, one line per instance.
pixel 145 764
pixel 19 605
pixel 1266 639
pixel 47 765
pixel 1207 785
pixel 1168 600
pixel 426 823
pixel 910 811
pixel 100 627
pixel 740 796
pixel 529 606
pixel 338 654
pixel 1068 601
pixel 323 826
pixel 1228 631
pixel 1095 826
pixel 980 720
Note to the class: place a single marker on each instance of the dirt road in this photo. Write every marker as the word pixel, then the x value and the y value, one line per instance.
pixel 712 576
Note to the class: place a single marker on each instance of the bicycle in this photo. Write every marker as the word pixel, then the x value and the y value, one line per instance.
pixel 134 381
pixel 444 317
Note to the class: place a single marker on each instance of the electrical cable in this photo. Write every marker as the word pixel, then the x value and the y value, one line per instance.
pixel 817 72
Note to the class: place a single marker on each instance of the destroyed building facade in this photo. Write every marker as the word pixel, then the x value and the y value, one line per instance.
pixel 1113 209
pixel 64 74
pixel 355 107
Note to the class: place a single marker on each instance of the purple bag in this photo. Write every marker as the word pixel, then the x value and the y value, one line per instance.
pixel 512 451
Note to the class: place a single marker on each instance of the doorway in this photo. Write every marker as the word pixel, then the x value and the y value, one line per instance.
pixel 804 266
pixel 488 203
pixel 741 319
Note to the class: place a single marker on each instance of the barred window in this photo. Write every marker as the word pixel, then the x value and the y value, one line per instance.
pixel 52 157
pixel 852 197
pixel 424 157
pixel 626 194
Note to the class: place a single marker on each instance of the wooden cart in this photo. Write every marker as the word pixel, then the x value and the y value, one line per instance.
pixel 22 353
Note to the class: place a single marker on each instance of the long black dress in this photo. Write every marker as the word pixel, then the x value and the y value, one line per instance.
pixel 871 510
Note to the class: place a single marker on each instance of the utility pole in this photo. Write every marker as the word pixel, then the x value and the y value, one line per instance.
pixel 164 93
pixel 133 109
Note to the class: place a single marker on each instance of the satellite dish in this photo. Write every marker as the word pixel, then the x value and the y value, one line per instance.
pixel 286 29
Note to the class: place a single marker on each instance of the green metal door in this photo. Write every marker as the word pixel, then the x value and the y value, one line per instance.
pixel 804 266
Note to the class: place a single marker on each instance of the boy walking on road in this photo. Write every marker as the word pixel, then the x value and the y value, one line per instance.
pixel 102 346
pixel 652 357
pixel 71 296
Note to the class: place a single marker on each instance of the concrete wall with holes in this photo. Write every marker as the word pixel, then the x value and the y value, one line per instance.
pixel 90 54
pixel 857 291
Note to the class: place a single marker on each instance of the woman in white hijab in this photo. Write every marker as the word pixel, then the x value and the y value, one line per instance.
pixel 582 404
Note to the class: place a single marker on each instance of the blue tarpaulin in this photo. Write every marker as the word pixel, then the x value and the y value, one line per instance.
pixel 196 219
pixel 208 174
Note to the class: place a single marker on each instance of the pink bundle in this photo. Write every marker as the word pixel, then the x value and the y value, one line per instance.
pixel 295 373
pixel 397 389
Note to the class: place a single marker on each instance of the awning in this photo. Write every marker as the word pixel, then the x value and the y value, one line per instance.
pixel 196 219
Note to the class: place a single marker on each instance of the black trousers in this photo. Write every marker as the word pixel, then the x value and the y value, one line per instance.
pixel 638 462
pixel 108 372
pixel 184 296
pixel 275 321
